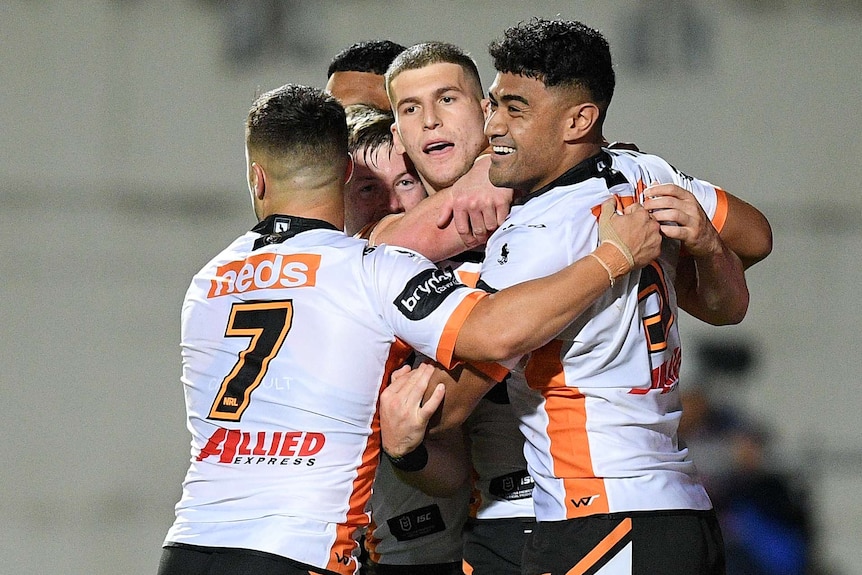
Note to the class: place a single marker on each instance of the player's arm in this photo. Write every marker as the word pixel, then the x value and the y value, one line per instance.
pixel 478 207
pixel 710 281
pixel 544 307
pixel 438 464
pixel 446 223
pixel 416 229
pixel 746 231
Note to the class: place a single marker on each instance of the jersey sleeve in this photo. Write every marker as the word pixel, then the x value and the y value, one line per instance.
pixel 655 170
pixel 425 306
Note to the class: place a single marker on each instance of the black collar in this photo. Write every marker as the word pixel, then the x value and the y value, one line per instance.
pixel 598 166
pixel 277 228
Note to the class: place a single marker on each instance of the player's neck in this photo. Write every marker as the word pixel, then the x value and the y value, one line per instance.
pixel 322 204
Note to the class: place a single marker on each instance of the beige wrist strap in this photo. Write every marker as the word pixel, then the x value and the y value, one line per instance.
pixel 604 265
pixel 608 235
pixel 613 259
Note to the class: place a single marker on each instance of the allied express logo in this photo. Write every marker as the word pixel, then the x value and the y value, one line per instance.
pixel 262 447
pixel 265 271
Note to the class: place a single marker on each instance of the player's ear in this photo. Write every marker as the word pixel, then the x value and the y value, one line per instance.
pixel 581 121
pixel 348 169
pixel 258 180
pixel 397 144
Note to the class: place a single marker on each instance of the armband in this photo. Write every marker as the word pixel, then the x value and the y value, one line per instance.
pixel 416 460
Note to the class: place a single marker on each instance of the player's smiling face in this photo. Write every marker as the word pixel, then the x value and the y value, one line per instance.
pixel 525 126
pixel 438 121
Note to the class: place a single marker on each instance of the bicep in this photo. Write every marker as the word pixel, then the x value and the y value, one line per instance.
pixel 746 231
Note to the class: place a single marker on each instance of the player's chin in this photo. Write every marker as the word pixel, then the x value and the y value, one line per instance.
pixel 500 176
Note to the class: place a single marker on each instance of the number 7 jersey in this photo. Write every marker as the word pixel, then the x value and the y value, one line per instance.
pixel 288 336
pixel 599 406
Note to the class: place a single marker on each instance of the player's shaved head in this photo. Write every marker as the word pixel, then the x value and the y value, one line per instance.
pixel 297 125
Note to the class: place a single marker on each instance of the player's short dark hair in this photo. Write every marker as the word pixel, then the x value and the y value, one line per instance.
pixel 297 120
pixel 368 130
pixel 372 56
pixel 428 53
pixel 557 53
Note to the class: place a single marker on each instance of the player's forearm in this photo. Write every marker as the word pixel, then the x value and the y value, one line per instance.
pixel 466 385
pixel 524 317
pixel 417 229
pixel 448 466
pixel 712 287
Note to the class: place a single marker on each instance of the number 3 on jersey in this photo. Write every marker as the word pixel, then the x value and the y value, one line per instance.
pixel 267 323
pixel 657 314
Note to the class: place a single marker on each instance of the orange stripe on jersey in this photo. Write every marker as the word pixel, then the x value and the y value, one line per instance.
pixel 493 370
pixel 720 216
pixel 446 347
pixel 468 278
pixel 567 434
pixel 590 559
pixel 622 202
pixel 345 542
pixel 639 189
pixel 371 542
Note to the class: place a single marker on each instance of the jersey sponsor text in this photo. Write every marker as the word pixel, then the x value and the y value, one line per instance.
pixel 425 292
pixel 265 271
pixel 262 447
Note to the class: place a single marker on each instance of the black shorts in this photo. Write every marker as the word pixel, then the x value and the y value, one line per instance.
pixel 639 543
pixel 178 559
pixel 494 546
pixel 427 569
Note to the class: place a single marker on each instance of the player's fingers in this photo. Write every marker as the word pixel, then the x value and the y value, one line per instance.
pixel 489 215
pixel 480 227
pixel 445 217
pixel 502 212
pixel 673 231
pixel 631 209
pixel 418 383
pixel 427 409
pixel 665 190
pixel 609 208
pixel 461 221
pixel 400 379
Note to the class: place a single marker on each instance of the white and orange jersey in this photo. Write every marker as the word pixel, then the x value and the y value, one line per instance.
pixel 287 337
pixel 599 406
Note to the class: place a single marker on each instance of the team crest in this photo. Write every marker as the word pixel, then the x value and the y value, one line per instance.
pixel 504 255
pixel 281 225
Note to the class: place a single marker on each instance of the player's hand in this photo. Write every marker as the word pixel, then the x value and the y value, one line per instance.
pixel 682 218
pixel 403 415
pixel 636 229
pixel 477 207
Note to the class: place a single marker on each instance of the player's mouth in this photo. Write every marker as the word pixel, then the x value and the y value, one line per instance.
pixel 503 150
pixel 437 147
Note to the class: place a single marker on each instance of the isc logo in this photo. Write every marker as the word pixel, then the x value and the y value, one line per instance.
pixel 265 271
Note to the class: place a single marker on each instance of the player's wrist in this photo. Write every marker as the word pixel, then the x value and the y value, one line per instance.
pixel 613 259
pixel 414 460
